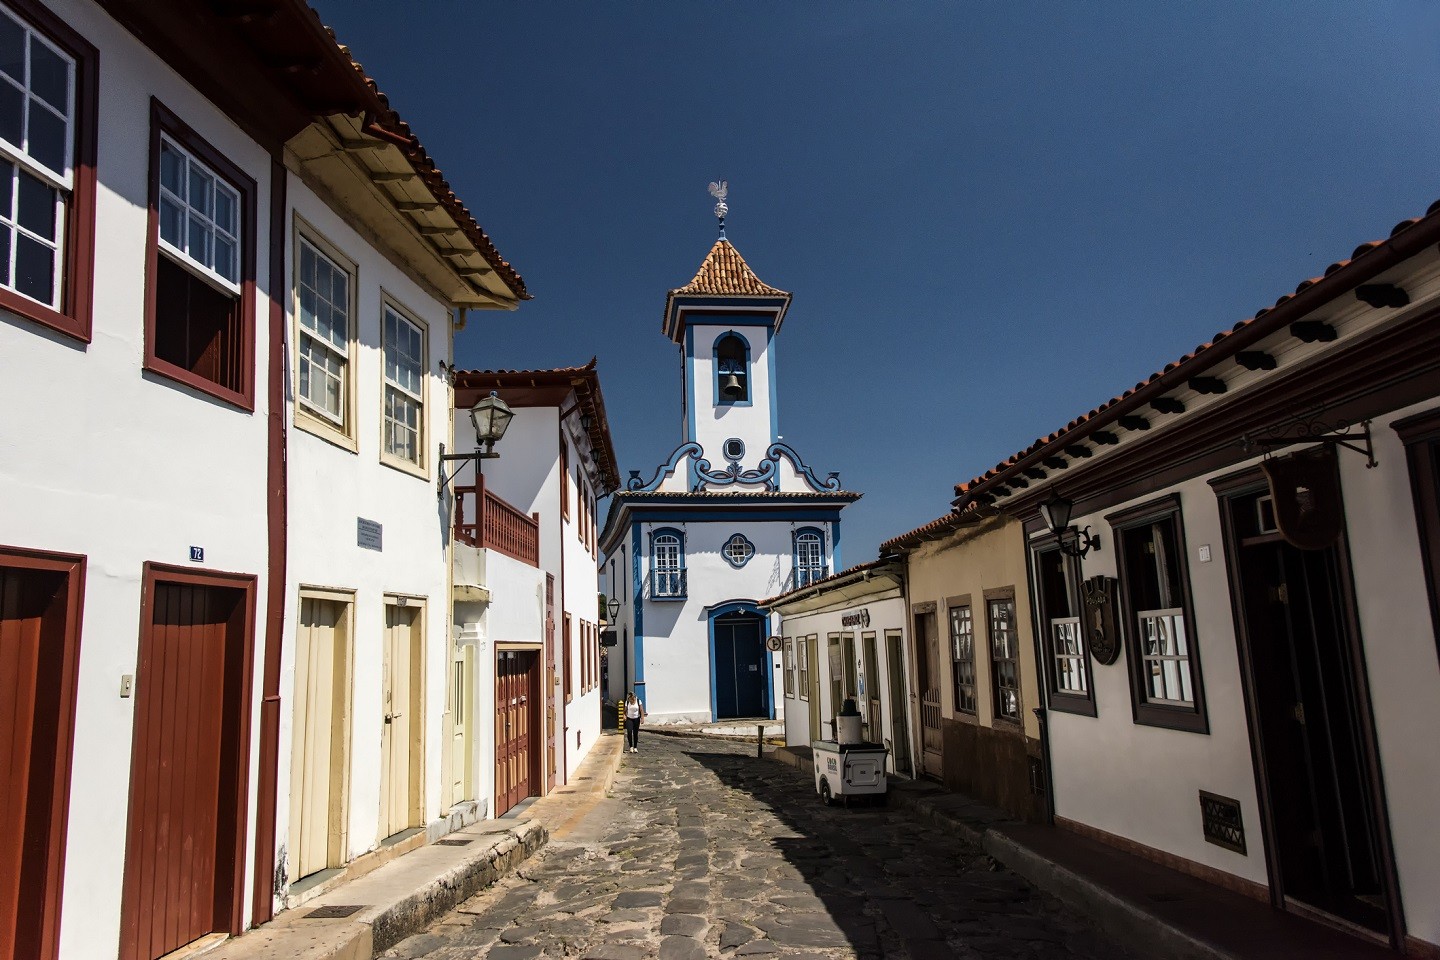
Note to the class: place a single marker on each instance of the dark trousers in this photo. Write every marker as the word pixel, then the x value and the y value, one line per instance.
pixel 632 731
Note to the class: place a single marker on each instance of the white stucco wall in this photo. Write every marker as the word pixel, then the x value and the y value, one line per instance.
pixel 582 585
pixel 98 457
pixel 330 487
pixel 750 422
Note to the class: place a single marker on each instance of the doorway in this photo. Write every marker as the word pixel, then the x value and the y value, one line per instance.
pixel 402 747
pixel 516 699
pixel 39 650
pixel 1319 783
pixel 870 702
pixel 811 675
pixel 552 689
pixel 740 666
pixel 319 764
pixel 927 668
pixel 899 726
pixel 184 859
pixel 462 700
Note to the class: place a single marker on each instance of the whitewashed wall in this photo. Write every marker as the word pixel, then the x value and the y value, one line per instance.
pixel 581 588
pixel 98 457
pixel 330 487
pixel 715 424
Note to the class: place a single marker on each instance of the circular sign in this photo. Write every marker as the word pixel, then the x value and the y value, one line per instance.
pixel 775 643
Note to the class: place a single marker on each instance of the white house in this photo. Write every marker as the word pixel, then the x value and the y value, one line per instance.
pixel 1234 571
pixel 844 638
pixel 220 454
pixel 527 621
pixel 731 516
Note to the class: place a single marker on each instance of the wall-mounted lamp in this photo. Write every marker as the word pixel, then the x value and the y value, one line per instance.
pixel 614 607
pixel 491 417
pixel 585 421
pixel 1056 513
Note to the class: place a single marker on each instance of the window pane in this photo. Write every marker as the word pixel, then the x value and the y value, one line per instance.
pixel 7 190
pixel 49 76
pixel 172 170
pixel 35 270
pixel 12 113
pixel 225 203
pixel 47 137
pixel 200 190
pixel 36 209
pixel 225 259
pixel 5 234
pixel 12 48
pixel 170 222
pixel 198 243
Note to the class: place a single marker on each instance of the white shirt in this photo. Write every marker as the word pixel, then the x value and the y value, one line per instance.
pixel 632 710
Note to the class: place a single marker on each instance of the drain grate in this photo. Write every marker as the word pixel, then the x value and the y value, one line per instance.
pixel 334 911
pixel 453 843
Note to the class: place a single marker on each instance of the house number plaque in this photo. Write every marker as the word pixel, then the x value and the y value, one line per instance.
pixel 1101 631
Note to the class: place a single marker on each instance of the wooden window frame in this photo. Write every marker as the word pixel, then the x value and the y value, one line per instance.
pixel 564 478
pixel 164 123
pixel 74 317
pixel 1064 701
pixel 815 571
pixel 1421 436
pixel 788 666
pixel 1017 722
pixel 952 604
pixel 567 632
pixel 344 434
pixel 421 467
pixel 802 668
pixel 1193 719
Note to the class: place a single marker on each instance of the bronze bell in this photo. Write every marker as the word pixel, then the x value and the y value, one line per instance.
pixel 731 387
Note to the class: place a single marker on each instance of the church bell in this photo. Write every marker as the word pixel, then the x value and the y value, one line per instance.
pixel 731 387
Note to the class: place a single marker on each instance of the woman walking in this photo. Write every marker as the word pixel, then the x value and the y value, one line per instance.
pixel 634 713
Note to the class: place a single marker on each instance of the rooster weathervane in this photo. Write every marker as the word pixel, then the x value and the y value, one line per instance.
pixel 720 189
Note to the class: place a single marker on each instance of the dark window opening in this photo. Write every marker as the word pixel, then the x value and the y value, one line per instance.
pixel 1062 630
pixel 197 327
pixel 732 368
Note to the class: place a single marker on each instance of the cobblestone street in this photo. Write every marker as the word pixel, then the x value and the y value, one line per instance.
pixel 706 851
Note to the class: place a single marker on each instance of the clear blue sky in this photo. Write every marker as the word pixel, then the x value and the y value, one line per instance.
pixel 993 216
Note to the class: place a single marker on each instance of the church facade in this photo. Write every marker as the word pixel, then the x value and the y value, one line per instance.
pixel 733 515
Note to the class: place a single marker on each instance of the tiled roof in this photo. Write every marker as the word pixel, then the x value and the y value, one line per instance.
pixel 384 122
pixel 1368 260
pixel 830 580
pixel 930 531
pixel 724 273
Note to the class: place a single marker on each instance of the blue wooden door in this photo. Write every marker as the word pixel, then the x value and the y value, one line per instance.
pixel 740 661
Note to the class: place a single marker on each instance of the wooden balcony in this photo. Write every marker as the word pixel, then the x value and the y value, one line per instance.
pixel 496 525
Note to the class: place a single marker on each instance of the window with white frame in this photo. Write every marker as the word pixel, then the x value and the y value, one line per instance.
pixel 323 301
pixel 667 563
pixel 962 656
pixel 802 657
pixel 809 557
pixel 199 216
pixel 789 667
pixel 1067 661
pixel 37 176
pixel 404 386
pixel 1004 658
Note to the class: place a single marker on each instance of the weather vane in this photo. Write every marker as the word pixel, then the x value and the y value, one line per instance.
pixel 720 189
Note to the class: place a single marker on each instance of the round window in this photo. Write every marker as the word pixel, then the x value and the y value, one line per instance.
pixel 738 550
pixel 734 448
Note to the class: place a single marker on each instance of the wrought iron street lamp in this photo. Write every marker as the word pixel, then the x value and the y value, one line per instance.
pixel 491 417
pixel 1056 513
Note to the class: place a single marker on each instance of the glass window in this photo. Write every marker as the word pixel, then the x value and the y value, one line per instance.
pixel 37 145
pixel 668 566
pixel 962 655
pixel 323 302
pixel 789 667
pixel 1004 660
pixel 199 216
pixel 1061 610
pixel 738 550
pixel 802 655
pixel 404 397
pixel 809 558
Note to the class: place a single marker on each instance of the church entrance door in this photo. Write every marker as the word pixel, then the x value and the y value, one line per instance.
pixel 739 666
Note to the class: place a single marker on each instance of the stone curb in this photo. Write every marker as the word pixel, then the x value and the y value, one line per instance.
pixel 1126 922
pixel 460 883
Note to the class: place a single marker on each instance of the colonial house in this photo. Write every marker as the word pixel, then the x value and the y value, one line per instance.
pixel 220 234
pixel 731 516
pixel 975 676
pixel 526 624
pixel 842 638
pixel 1233 568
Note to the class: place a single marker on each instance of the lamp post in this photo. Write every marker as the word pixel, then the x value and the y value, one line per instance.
pixel 491 417
pixel 1056 513
pixel 613 607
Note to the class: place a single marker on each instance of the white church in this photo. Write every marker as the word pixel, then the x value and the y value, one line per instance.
pixel 732 516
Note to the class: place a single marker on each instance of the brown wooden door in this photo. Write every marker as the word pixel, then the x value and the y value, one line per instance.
pixel 38 643
pixel 927 665
pixel 182 852
pixel 514 708
pixel 552 754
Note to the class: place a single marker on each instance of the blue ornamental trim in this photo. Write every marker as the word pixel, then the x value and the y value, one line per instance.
pixel 767 473
pixel 749 550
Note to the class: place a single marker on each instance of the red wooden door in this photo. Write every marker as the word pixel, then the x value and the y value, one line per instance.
pixel 181 852
pixel 514 708
pixel 38 641
pixel 552 756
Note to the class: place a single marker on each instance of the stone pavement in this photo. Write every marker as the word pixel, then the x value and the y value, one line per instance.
pixel 705 851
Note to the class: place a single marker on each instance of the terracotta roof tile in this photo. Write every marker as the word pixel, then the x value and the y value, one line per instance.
pixel 1365 262
pixel 724 273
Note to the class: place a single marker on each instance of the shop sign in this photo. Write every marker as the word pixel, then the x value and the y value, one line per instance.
pixel 860 618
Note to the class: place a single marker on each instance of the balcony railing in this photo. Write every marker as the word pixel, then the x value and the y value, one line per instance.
pixel 497 525
pixel 667 584
pixel 806 575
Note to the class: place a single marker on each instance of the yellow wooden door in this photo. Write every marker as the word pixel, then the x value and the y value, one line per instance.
pixel 461 706
pixel 317 766
pixel 399 790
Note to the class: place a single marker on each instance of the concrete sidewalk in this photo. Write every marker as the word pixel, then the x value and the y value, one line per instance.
pixel 404 896
pixel 1155 910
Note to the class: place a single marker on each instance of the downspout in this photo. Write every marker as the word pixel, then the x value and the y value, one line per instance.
pixel 267 876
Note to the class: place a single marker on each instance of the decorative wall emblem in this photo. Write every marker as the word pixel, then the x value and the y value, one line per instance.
pixel 737 550
pixel 703 475
pixel 1101 630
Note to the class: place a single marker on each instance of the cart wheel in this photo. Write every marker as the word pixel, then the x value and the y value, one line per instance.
pixel 825 792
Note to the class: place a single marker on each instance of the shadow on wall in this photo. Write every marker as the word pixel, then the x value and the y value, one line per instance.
pixel 887 884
